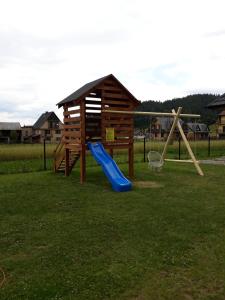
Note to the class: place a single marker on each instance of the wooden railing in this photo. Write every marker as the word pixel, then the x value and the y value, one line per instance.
pixel 58 154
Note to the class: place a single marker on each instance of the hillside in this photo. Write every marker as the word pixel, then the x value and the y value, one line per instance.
pixel 195 104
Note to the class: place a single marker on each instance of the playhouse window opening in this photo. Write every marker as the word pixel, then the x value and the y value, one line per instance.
pixel 74 108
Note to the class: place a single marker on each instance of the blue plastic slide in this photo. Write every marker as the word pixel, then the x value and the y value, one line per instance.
pixel 115 176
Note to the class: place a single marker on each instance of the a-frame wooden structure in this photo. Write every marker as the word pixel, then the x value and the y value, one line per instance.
pixel 85 121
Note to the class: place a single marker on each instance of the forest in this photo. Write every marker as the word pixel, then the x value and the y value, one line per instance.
pixel 195 104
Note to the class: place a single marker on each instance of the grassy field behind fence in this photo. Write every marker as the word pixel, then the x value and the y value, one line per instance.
pixel 29 157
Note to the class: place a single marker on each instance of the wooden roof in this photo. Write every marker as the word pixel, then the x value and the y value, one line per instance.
pixel 90 87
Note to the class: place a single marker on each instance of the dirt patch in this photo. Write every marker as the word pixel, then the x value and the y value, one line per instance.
pixel 147 184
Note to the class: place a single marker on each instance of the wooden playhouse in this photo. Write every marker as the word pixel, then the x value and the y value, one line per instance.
pixel 86 120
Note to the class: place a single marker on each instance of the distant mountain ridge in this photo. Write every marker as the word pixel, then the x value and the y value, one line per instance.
pixel 195 104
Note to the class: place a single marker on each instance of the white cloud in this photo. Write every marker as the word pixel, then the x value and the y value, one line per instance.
pixel 158 49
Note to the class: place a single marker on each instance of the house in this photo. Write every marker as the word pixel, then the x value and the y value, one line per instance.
pixel 218 105
pixel 220 125
pixel 48 127
pixel 160 128
pixel 197 131
pixel 10 132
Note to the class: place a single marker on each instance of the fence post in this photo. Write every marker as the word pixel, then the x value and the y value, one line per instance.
pixel 144 148
pixel 44 155
pixel 209 145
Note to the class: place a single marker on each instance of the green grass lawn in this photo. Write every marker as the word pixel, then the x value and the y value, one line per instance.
pixel 63 240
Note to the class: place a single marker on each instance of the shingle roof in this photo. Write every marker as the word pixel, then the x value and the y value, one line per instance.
pixel 217 102
pixel 44 117
pixel 10 126
pixel 166 122
pixel 86 89
pixel 198 127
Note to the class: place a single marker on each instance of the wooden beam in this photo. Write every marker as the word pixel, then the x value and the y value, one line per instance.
pixel 180 160
pixel 67 162
pixel 176 117
pixel 131 160
pixel 196 163
pixel 149 113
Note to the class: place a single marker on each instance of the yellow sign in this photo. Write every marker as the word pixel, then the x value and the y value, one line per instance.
pixel 110 134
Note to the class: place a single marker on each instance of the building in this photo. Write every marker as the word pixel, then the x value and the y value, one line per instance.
pixel 218 105
pixel 48 127
pixel 10 132
pixel 197 131
pixel 160 128
pixel 220 124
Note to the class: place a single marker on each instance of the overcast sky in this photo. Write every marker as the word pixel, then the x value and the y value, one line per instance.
pixel 158 49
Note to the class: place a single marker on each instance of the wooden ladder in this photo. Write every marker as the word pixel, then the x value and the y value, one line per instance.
pixel 60 159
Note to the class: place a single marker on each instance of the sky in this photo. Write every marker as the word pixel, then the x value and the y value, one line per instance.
pixel 158 49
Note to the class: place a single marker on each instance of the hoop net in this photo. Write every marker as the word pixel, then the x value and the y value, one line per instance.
pixel 155 160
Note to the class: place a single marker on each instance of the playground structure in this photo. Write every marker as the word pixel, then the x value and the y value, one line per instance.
pixel 85 121
pixel 102 112
pixel 176 123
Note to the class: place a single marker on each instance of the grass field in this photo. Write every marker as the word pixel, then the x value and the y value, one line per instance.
pixel 29 158
pixel 61 240
pixel 35 151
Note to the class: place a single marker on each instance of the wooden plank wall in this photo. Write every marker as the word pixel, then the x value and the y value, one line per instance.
pixel 114 98
pixel 93 105
pixel 72 124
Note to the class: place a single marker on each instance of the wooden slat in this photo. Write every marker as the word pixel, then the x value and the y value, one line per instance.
pixel 93 102
pixel 71 112
pixel 92 108
pixel 125 134
pixel 93 96
pixel 117 102
pixel 71 140
pixel 75 119
pixel 116 116
pixel 91 118
pixel 75 126
pixel 115 122
pixel 110 88
pixel 73 146
pixel 113 89
pixel 121 128
pixel 117 96
pixel 75 134
pixel 121 141
pixel 110 82
pixel 117 107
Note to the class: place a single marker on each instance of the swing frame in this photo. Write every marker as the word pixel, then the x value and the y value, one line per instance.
pixel 176 123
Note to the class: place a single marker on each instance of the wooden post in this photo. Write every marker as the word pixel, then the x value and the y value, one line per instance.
pixel 209 144
pixel 45 168
pixel 131 160
pixel 67 162
pixel 82 165
pixel 199 170
pixel 83 141
pixel 176 117
pixel 144 148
